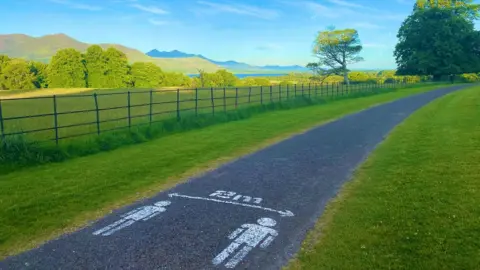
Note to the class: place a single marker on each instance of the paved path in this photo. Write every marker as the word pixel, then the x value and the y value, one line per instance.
pixel 249 214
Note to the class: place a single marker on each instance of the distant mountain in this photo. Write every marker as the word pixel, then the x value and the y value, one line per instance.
pixel 43 48
pixel 172 54
pixel 231 65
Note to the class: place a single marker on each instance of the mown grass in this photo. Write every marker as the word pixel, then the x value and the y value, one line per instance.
pixel 414 204
pixel 23 150
pixel 76 113
pixel 38 203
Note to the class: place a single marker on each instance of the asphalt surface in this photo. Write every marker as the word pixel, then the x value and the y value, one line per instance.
pixel 294 180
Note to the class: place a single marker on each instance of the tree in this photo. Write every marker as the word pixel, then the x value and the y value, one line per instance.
pixel 225 78
pixel 176 79
pixel 146 75
pixel 358 76
pixel 465 8
pixel 39 71
pixel 201 78
pixel 336 49
pixel 116 68
pixel 67 69
pixel 437 42
pixel 16 75
pixel 96 67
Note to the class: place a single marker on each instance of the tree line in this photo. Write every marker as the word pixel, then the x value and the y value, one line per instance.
pixel 96 68
pixel 99 68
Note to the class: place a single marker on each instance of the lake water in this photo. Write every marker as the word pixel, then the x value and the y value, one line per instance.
pixel 240 76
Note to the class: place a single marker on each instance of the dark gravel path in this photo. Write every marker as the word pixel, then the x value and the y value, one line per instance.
pixel 277 194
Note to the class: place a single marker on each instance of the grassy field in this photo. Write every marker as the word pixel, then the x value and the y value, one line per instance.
pixel 42 202
pixel 414 204
pixel 76 112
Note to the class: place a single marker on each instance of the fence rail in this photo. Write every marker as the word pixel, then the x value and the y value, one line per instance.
pixel 60 117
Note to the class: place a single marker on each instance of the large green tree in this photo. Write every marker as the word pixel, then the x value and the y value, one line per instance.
pixel 437 42
pixel 465 8
pixel 146 75
pixel 16 75
pixel 96 67
pixel 116 73
pixel 67 70
pixel 336 49
pixel 223 78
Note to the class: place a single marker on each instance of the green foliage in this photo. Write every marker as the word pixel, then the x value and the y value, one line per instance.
pixel 464 8
pixel 146 75
pixel 358 76
pixel 335 50
pixel 470 77
pixel 96 66
pixel 39 71
pixel 225 79
pixel 67 70
pixel 16 75
pixel 176 79
pixel 116 68
pixel 437 42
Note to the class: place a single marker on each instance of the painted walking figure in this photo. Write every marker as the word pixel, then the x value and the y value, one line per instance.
pixel 251 235
pixel 142 213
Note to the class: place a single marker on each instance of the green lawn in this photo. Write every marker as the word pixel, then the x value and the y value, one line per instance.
pixel 76 113
pixel 41 202
pixel 415 203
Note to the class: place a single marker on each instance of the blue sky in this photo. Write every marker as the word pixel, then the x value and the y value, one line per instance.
pixel 257 32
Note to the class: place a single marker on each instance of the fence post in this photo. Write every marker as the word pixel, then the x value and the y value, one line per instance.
pixel 303 91
pixel 150 113
pixel 271 98
pixel 236 97
pixel 196 101
pixel 338 88
pixel 2 128
pixel 97 113
pixel 288 93
pixel 55 118
pixel 178 104
pixel 213 102
pixel 261 95
pixel 129 111
pixel 309 91
pixel 295 90
pixel 280 93
pixel 249 94
pixel 224 100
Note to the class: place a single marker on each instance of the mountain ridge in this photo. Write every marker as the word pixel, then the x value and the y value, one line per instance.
pixel 44 47
pixel 229 64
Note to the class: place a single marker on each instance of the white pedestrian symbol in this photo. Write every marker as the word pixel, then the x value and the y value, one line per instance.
pixel 142 213
pixel 251 235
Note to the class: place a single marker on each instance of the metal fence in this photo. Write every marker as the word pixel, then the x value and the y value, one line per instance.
pixel 58 117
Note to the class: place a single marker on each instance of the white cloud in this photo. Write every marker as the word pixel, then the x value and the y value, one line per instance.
pixel 322 10
pixel 349 4
pixel 157 22
pixel 342 9
pixel 77 5
pixel 150 9
pixel 241 9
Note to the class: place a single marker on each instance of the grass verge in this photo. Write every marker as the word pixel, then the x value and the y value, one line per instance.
pixel 42 202
pixel 414 204
pixel 20 151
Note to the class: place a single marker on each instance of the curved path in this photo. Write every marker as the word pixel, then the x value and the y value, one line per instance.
pixel 252 213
